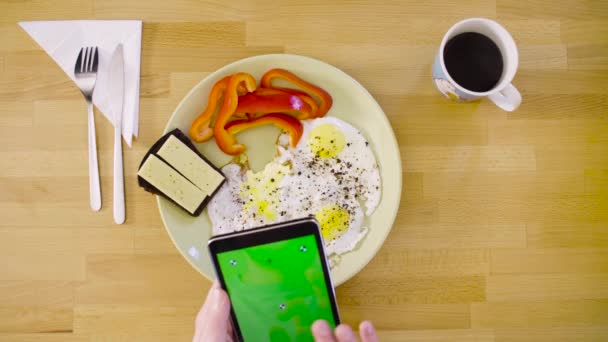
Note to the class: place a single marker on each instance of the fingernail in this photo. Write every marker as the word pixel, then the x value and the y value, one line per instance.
pixel 367 327
pixel 345 333
pixel 321 328
pixel 322 324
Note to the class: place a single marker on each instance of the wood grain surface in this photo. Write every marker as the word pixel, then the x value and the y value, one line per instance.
pixel 502 233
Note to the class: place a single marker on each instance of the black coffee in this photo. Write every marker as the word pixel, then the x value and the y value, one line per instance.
pixel 473 61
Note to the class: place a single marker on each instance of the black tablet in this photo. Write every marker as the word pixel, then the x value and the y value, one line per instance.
pixel 277 279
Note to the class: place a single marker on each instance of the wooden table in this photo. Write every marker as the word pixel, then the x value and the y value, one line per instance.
pixel 503 228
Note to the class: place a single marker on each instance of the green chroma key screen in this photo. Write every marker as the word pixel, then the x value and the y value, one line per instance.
pixel 277 289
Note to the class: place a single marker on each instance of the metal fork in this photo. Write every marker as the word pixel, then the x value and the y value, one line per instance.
pixel 85 71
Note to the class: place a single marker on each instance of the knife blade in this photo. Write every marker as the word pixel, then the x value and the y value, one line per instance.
pixel 117 84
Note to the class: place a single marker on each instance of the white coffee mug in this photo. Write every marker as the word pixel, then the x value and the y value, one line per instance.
pixel 503 94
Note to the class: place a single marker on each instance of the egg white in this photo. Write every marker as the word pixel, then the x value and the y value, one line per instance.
pixel 331 167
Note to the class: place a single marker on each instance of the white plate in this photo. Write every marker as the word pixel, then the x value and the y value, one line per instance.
pixel 352 103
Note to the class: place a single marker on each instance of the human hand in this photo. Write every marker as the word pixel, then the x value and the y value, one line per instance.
pixel 343 333
pixel 213 323
pixel 213 320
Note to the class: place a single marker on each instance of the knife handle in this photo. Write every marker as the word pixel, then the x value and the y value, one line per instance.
pixel 94 189
pixel 119 186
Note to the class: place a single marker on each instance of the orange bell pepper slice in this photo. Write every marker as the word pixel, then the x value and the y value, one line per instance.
pixel 285 122
pixel 256 104
pixel 325 100
pixel 200 130
pixel 224 139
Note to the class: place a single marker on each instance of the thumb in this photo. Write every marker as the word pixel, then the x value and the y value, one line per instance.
pixel 212 322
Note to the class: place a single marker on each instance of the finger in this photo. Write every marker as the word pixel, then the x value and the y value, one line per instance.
pixel 345 334
pixel 218 316
pixel 367 332
pixel 322 332
pixel 202 314
pixel 214 318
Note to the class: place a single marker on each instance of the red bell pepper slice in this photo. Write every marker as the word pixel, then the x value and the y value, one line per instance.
pixel 256 104
pixel 325 100
pixel 301 94
pixel 285 122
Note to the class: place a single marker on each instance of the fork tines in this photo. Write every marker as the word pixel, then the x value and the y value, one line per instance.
pixel 87 60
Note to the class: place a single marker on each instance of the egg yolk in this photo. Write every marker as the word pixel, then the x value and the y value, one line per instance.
pixel 333 220
pixel 326 141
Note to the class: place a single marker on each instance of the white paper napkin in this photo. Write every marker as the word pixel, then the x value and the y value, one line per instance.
pixel 62 40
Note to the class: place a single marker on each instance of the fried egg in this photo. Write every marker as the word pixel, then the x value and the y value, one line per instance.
pixel 331 174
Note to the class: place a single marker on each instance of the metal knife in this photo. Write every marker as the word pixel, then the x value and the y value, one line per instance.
pixel 117 85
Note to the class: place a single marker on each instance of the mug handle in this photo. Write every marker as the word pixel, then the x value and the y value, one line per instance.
pixel 507 99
